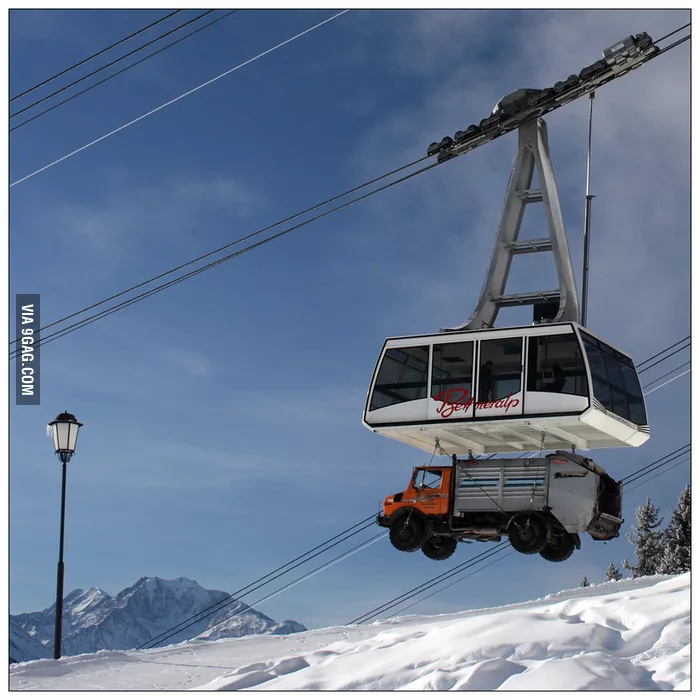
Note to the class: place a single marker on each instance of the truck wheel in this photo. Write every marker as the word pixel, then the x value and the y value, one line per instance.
pixel 439 548
pixel 408 532
pixel 527 534
pixel 559 547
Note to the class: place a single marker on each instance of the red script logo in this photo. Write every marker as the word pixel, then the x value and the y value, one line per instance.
pixel 452 400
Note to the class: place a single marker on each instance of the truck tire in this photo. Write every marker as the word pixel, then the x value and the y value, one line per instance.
pixel 528 533
pixel 408 532
pixel 439 548
pixel 559 547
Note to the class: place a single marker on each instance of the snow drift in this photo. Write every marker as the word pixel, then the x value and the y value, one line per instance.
pixel 632 634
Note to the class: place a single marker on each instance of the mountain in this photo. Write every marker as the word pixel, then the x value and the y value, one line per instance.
pixel 93 620
pixel 24 647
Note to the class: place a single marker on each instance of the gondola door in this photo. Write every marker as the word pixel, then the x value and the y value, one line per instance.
pixel 499 378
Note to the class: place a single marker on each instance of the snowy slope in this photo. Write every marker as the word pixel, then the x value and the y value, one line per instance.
pixel 624 635
pixel 93 620
pixel 23 646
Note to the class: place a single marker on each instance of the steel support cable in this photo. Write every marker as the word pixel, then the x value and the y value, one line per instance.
pixel 109 311
pixel 675 31
pixel 417 590
pixel 123 70
pixel 661 352
pixel 230 245
pixel 627 478
pixel 658 466
pixel 109 65
pixel 272 576
pixel 668 381
pixel 651 478
pixel 663 359
pixel 658 379
pixel 176 99
pixel 673 45
pixel 117 307
pixel 304 577
pixel 452 583
pixel 95 55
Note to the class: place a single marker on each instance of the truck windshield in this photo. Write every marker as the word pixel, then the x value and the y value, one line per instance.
pixel 427 478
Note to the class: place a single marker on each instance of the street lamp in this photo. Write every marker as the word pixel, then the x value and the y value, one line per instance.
pixel 64 430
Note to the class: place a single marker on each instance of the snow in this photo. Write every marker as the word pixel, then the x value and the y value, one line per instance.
pixel 621 635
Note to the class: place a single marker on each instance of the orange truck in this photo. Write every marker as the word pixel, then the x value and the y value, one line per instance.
pixel 541 505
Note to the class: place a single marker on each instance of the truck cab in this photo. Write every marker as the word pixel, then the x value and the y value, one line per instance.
pixel 428 491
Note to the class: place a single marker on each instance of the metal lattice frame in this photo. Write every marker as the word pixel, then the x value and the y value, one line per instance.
pixel 533 151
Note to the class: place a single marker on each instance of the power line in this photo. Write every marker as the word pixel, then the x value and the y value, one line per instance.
pixel 123 70
pixel 417 590
pixel 658 379
pixel 658 466
pixel 109 65
pixel 642 471
pixel 304 577
pixel 675 31
pixel 453 583
pixel 117 307
pixel 233 243
pixel 673 379
pixel 663 359
pixel 651 478
pixel 184 94
pixel 653 357
pixel 95 55
pixel 260 582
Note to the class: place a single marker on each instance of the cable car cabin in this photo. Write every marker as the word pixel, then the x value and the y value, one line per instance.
pixel 551 386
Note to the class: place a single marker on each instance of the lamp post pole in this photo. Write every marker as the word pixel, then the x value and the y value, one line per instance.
pixel 59 577
pixel 64 430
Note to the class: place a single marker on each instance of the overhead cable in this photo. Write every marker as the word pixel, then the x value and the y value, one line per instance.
pixel 271 576
pixel 123 70
pixel 233 243
pixel 117 307
pixel 317 570
pixel 673 379
pixel 661 352
pixel 643 471
pixel 663 359
pixel 108 65
pixel 417 590
pixel 95 55
pixel 176 99
pixel 658 379
pixel 452 583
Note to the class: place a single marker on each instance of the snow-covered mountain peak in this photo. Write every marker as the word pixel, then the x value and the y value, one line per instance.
pixel 93 620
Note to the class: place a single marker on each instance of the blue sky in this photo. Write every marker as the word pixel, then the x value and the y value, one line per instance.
pixel 222 417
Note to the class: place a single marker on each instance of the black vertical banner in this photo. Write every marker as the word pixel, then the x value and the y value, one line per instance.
pixel 27 372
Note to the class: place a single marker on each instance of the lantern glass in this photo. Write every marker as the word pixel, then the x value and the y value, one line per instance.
pixel 64 431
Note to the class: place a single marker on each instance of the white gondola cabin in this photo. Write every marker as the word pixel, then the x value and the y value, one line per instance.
pixel 549 386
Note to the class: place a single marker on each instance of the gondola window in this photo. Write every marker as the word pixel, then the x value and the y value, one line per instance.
pixel 403 376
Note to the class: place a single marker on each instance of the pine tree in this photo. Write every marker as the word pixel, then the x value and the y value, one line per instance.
pixel 613 573
pixel 646 540
pixel 585 583
pixel 675 558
